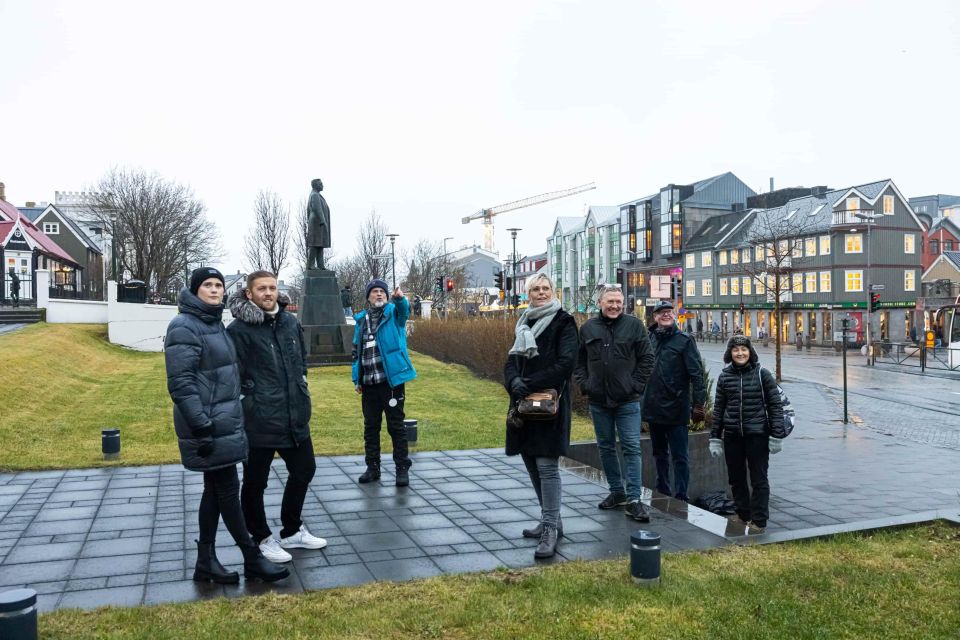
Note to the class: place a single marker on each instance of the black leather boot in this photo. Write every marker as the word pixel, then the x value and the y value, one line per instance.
pixel 208 567
pixel 537 531
pixel 371 474
pixel 548 543
pixel 403 477
pixel 256 567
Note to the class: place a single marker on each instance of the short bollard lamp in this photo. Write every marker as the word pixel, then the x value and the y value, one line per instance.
pixel 110 443
pixel 18 614
pixel 411 426
pixel 645 558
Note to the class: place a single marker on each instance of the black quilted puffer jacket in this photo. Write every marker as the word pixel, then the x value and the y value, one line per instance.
pixel 739 410
pixel 204 383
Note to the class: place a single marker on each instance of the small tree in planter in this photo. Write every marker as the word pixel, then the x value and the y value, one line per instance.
pixel 708 381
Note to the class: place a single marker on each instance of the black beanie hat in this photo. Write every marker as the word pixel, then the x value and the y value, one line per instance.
pixel 201 274
pixel 739 341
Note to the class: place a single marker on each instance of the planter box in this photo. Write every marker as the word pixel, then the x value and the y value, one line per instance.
pixel 706 473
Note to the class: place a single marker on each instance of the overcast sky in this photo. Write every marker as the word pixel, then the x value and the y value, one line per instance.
pixel 429 111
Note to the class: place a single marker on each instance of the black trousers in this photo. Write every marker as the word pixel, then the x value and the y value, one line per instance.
pixel 750 454
pixel 375 401
pixel 301 466
pixel 221 497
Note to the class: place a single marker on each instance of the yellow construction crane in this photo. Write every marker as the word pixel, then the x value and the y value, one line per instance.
pixel 487 214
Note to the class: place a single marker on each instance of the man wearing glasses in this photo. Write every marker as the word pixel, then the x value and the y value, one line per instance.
pixel 667 402
pixel 613 366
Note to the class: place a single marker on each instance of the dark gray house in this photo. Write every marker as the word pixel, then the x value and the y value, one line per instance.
pixel 67 234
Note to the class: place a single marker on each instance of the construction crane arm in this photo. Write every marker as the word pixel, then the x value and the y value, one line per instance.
pixel 528 202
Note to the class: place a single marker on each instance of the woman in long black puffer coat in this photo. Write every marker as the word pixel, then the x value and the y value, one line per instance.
pixel 543 357
pixel 747 428
pixel 204 382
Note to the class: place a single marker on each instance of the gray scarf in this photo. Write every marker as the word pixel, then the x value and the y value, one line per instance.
pixel 526 343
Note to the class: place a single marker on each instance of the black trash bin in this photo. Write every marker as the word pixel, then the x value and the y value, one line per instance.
pixel 18 614
pixel 134 291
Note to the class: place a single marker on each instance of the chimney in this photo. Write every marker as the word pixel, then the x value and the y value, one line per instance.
pixel 3 191
pixel 29 204
pixel 771 184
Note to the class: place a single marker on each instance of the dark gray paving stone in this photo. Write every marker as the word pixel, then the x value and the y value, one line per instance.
pixel 174 575
pixel 380 541
pixel 402 570
pixel 70 513
pixel 517 558
pixel 491 516
pixel 127 509
pixel 58 527
pixel 17 574
pixel 411 552
pixel 434 537
pixel 123 522
pixel 468 562
pixel 110 566
pixel 43 553
pixel 363 526
pixel 118 547
pixel 127 580
pixel 422 521
pixel 344 558
pixel 116 596
pixel 83 584
pixel 181 591
pixel 335 576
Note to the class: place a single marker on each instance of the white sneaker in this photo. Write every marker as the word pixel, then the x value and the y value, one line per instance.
pixel 303 539
pixel 271 550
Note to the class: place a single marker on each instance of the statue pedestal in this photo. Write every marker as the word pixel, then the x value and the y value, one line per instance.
pixel 328 337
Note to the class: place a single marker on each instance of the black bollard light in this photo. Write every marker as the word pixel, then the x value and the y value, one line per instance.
pixel 645 558
pixel 110 443
pixel 411 426
pixel 18 614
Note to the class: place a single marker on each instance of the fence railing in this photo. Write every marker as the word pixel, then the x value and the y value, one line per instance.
pixel 908 354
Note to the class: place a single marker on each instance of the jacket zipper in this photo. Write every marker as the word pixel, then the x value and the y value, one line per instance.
pixel 741 405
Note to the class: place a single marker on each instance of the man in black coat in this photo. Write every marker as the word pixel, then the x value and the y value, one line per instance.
pixel 666 400
pixel 614 363
pixel 276 410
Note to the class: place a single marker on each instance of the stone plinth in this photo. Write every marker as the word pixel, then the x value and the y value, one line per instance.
pixel 327 336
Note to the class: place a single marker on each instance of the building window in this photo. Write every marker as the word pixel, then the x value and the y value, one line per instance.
pixel 934 247
pixel 758 253
pixel 853 204
pixel 854 280
pixel 888 205
pixel 908 243
pixel 706 259
pixel 691 288
pixel 734 256
pixel 824 245
pixel 691 260
pixel 948 245
pixel 746 285
pixel 772 284
pixel 825 282
pixel 854 243
pixel 811 284
pixel 745 256
pixel 796 248
pixel 909 282
pixel 51 228
pixel 706 287
pixel 796 282
pixel 761 288
pixel 734 286
pixel 810 247
pixel 722 258
pixel 723 286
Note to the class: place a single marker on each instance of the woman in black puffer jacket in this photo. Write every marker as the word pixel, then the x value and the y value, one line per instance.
pixel 204 383
pixel 747 428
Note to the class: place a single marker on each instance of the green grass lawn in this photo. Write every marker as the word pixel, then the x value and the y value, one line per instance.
pixel 61 384
pixel 896 584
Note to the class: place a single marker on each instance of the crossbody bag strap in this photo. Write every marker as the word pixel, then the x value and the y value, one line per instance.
pixel 763 394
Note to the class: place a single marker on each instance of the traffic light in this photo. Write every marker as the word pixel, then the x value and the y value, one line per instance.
pixel 874 302
pixel 509 284
pixel 438 284
pixel 498 280
pixel 620 277
pixel 449 284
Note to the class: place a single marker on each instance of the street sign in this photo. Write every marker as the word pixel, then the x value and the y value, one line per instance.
pixel 877 287
pixel 838 336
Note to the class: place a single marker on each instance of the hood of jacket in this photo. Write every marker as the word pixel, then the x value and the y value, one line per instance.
pixel 244 309
pixel 728 357
pixel 190 304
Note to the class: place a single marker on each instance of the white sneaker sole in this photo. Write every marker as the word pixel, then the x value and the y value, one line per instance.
pixel 277 559
pixel 303 545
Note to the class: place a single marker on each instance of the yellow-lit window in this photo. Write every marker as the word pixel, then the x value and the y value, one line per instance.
pixel 888 205
pixel 734 256
pixel 771 284
pixel 796 282
pixel 746 285
pixel 908 243
pixel 734 286
pixel 825 282
pixel 854 243
pixel 853 204
pixel 824 245
pixel 706 287
pixel 761 288
pixel 758 253
pixel 854 280
pixel 810 247
pixel 909 283
pixel 691 288
pixel 722 258
pixel 745 255
pixel 723 286
pixel 691 260
pixel 811 282
pixel 796 248
pixel 706 259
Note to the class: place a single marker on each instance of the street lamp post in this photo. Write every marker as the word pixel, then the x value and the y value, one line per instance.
pixel 513 258
pixel 443 290
pixel 870 218
pixel 393 258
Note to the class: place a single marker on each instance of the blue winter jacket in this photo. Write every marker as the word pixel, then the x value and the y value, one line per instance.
pixel 391 341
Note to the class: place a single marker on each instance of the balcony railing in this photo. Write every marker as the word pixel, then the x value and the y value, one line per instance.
pixel 849 217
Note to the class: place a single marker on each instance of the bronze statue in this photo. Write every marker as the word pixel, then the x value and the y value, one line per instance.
pixel 318 226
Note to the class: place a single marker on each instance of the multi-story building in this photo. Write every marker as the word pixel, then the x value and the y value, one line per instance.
pixel 526 266
pixel 654 230
pixel 583 254
pixel 943 235
pixel 937 206
pixel 831 261
pixel 87 283
pixel 478 265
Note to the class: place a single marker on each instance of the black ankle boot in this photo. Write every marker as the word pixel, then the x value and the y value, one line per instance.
pixel 208 567
pixel 403 477
pixel 548 543
pixel 372 473
pixel 256 567
pixel 537 531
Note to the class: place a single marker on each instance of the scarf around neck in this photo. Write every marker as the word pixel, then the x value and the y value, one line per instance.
pixel 526 342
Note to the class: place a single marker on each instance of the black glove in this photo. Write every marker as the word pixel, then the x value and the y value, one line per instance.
pixel 204 437
pixel 519 387
pixel 698 413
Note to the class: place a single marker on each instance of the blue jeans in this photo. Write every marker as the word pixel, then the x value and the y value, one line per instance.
pixel 607 421
pixel 673 438
pixel 545 477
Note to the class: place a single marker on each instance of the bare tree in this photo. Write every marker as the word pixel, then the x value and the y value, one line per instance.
pixel 777 238
pixel 371 242
pixel 352 273
pixel 267 245
pixel 424 264
pixel 159 227
pixel 300 235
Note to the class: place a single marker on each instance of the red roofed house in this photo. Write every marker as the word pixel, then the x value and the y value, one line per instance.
pixel 24 249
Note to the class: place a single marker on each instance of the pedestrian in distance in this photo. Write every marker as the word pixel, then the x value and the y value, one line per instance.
pixel 14 287
pixel 345 301
pixel 747 428
pixel 381 369
pixel 272 358
pixel 613 366
pixel 203 379
pixel 543 356
pixel 667 399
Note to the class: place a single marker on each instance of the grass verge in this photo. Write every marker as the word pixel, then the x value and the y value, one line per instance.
pixel 895 584
pixel 61 384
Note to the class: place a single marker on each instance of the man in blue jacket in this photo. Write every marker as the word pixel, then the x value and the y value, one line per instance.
pixel 381 367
